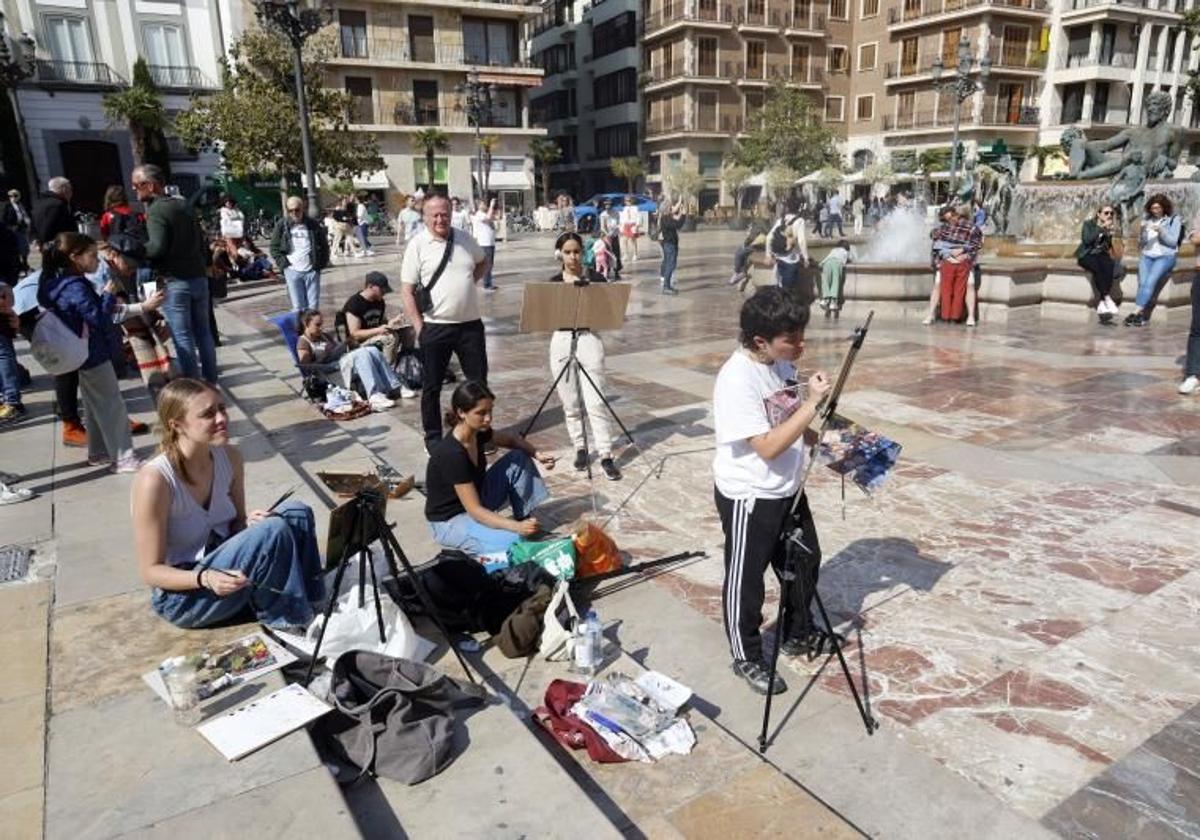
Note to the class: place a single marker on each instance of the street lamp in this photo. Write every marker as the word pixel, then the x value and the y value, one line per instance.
pixel 298 25
pixel 962 87
pixel 17 63
pixel 477 102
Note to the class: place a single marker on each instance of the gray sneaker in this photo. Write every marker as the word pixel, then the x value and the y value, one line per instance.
pixel 758 676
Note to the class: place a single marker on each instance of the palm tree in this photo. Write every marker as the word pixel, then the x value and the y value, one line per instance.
pixel 140 108
pixel 487 145
pixel 629 168
pixel 430 141
pixel 545 152
pixel 1042 154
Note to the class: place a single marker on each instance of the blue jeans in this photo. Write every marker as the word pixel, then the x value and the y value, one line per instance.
pixel 670 251
pixel 514 480
pixel 361 232
pixel 186 311
pixel 10 375
pixel 1150 271
pixel 489 251
pixel 304 288
pixel 787 273
pixel 279 553
pixel 373 371
pixel 1192 367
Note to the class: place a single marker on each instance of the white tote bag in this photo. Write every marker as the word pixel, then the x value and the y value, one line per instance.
pixel 56 347
pixel 558 641
pixel 354 628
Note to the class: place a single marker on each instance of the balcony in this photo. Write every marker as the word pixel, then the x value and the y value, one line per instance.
pixel 76 74
pixel 732 71
pixel 994 114
pixel 180 77
pixel 1118 61
pixel 1163 6
pixel 405 114
pixel 912 11
pixel 699 121
pixel 424 52
pixel 1019 56
pixel 677 14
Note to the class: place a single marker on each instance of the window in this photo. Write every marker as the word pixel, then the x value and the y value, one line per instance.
pixel 707 57
pixel 706 110
pixel 867 56
pixel 614 34
pixel 492 42
pixel 1072 104
pixel 802 14
pixel 71 46
pixel 503 112
pixel 864 108
pixel 559 105
pixel 1100 103
pixel 756 52
pixel 441 171
pixel 838 59
pixel 912 9
pixel 1014 46
pixel 615 88
pixel 352 27
pixel 362 108
pixel 166 54
pixel 557 59
pixel 950 39
pixel 420 38
pixel 838 10
pixel 800 56
pixel 710 164
pixel 834 108
pixel 909 52
pixel 617 141
pixel 869 8
pixel 425 102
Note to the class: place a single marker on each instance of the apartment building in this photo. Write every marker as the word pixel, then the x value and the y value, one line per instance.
pixel 86 50
pixel 590 100
pixel 406 66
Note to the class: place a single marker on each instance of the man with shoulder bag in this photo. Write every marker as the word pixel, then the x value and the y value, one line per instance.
pixel 438 286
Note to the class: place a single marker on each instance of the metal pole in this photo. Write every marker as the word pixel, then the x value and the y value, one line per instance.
pixel 314 209
pixel 478 162
pixel 954 143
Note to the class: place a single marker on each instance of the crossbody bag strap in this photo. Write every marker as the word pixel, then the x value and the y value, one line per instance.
pixel 437 274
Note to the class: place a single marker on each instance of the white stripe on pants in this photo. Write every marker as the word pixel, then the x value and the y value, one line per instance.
pixel 107 419
pixel 590 352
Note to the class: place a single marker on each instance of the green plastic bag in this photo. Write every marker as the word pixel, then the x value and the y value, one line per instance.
pixel 556 556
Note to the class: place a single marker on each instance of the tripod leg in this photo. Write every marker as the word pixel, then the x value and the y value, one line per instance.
pixel 868 721
pixel 607 405
pixel 545 399
pixel 392 550
pixel 378 603
pixel 333 596
pixel 785 585
pixel 580 407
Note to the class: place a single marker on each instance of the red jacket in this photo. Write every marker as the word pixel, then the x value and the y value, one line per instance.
pixel 106 221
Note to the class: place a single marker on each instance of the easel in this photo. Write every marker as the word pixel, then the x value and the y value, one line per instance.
pixel 549 307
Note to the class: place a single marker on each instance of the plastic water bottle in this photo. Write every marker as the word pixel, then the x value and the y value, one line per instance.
pixel 586 658
pixel 595 634
pixel 181 680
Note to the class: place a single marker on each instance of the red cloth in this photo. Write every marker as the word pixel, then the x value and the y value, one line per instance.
pixel 106 219
pixel 568 729
pixel 953 286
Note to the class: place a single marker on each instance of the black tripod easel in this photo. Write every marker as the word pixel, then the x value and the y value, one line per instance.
pixel 796 552
pixel 573 365
pixel 367 524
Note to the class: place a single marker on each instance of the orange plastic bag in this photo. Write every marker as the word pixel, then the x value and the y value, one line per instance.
pixel 595 551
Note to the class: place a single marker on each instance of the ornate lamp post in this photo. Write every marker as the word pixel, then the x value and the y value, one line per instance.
pixel 17 63
pixel 476 99
pixel 962 87
pixel 298 25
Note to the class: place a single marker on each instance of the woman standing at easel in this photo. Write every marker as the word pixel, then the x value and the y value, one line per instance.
pixel 589 350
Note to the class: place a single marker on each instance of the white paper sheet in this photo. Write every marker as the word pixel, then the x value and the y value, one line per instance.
pixel 260 722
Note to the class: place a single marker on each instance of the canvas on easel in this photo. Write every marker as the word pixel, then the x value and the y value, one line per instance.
pixel 547 307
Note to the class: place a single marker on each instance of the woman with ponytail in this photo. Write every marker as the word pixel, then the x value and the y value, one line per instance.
pixel 65 290
pixel 463 495
pixel 206 558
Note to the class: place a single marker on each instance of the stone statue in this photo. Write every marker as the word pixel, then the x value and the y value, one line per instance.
pixel 1145 151
pixel 966 184
pixel 999 199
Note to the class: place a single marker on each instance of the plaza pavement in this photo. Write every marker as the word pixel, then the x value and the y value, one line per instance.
pixel 1021 597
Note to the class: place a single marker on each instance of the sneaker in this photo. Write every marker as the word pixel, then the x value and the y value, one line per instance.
pixel 137 427
pixel 610 469
pixel 927 321
pixel 99 461
pixel 74 434
pixel 12 412
pixel 1110 306
pixel 670 290
pixel 379 402
pixel 1132 318
pixel 370 253
pixel 581 459
pixel 796 646
pixel 1189 385
pixel 129 464
pixel 970 322
pixel 10 496
pixel 758 677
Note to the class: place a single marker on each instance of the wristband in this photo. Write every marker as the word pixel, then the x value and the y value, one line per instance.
pixel 199 581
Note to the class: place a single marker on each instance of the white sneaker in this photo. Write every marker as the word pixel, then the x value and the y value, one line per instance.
pixel 1189 385
pixel 407 393
pixel 1110 306
pixel 370 253
pixel 379 402
pixel 10 496
pixel 928 320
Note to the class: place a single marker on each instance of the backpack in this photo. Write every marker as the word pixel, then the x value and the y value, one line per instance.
pixel 130 224
pixel 778 239
pixel 56 346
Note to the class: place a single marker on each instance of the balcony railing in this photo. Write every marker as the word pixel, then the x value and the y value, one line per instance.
pixel 1176 6
pixel 406 114
pixel 931 8
pixel 802 18
pixel 387 49
pixel 700 120
pixel 734 71
pixel 179 76
pixel 77 73
pixel 1020 56
pixel 1120 61
pixel 995 113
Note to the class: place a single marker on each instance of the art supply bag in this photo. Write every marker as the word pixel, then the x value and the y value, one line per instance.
pixel 556 556
pixel 352 627
pixel 558 642
pixel 595 551
pixel 392 717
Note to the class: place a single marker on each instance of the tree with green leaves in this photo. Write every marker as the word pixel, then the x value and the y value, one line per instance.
pixel 683 183
pixel 140 108
pixel 788 131
pixel 734 176
pixel 428 142
pixel 546 152
pixel 488 144
pixel 629 168
pixel 1044 153
pixel 780 180
pixel 253 123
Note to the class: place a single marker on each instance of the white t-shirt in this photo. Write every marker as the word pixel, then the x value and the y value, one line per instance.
pixel 483 228
pixel 454 297
pixel 836 202
pixel 630 215
pixel 300 257
pixel 740 413
pixel 232 222
pixel 461 219
pixel 410 223
pixel 361 214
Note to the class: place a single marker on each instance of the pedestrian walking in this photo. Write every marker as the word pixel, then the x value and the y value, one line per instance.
pixel 1158 246
pixel 483 228
pixel 362 225
pixel 668 237
pixel 16 218
pixel 610 227
pixel 52 213
pixel 175 249
pixel 631 228
pixel 857 208
pixel 446 265
pixel 834 206
pixel 301 249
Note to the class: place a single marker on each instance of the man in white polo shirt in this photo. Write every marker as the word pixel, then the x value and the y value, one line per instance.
pixel 452 324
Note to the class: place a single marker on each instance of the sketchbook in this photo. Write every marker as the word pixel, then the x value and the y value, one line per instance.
pixel 263 721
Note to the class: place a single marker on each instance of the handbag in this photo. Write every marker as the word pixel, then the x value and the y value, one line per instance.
pixel 392 717
pixel 424 293
pixel 558 642
pixel 56 346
